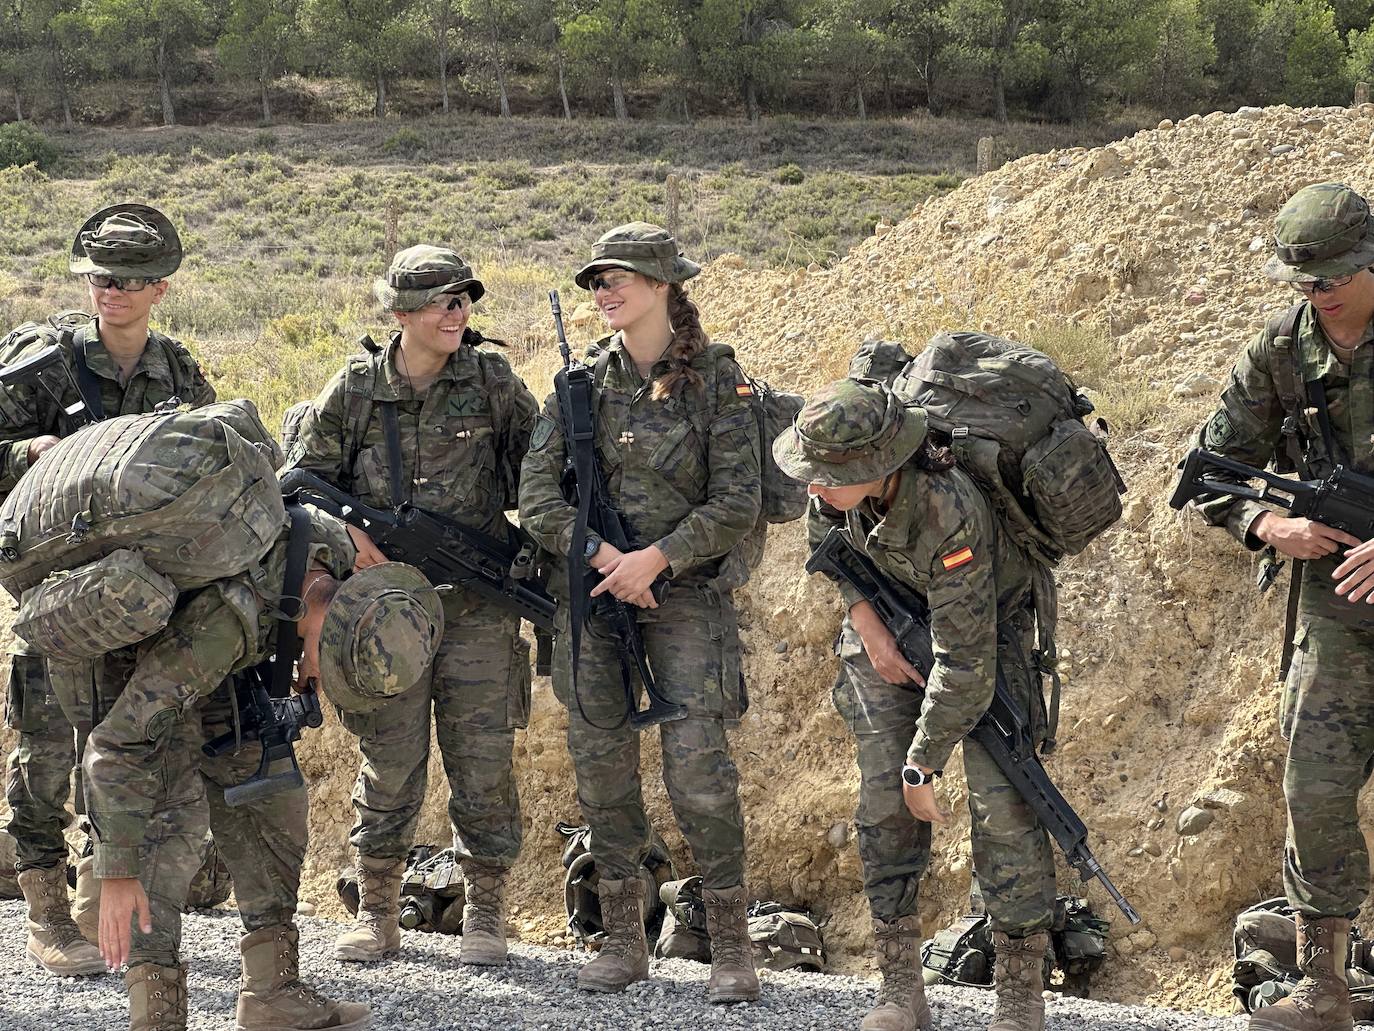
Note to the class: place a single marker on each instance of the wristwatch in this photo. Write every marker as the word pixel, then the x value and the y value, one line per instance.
pixel 592 546
pixel 915 776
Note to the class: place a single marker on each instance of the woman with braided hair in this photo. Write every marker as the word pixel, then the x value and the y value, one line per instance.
pixel 677 445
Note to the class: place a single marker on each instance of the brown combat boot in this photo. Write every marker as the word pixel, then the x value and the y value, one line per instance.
pixel 732 954
pixel 377 933
pixel 157 997
pixel 55 943
pixel 86 904
pixel 272 996
pixel 484 916
pixel 902 998
pixel 1019 982
pixel 624 955
pixel 1321 1000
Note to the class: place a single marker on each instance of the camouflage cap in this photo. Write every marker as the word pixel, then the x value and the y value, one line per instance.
pixel 380 633
pixel 127 240
pixel 421 273
pixel 640 247
pixel 850 432
pixel 1322 232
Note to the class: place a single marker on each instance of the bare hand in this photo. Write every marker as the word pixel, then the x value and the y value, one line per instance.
pixel 1301 537
pixel 630 576
pixel 368 552
pixel 881 647
pixel 1356 574
pixel 40 444
pixel 120 898
pixel 921 803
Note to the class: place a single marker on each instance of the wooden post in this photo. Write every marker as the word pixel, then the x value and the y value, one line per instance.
pixel 391 218
pixel 1361 93
pixel 674 196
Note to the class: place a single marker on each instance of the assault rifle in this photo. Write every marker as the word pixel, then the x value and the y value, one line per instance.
pixel 446 551
pixel 1003 730
pixel 47 371
pixel 1342 501
pixel 585 486
pixel 276 723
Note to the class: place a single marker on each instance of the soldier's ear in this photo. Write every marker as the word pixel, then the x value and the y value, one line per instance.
pixel 160 289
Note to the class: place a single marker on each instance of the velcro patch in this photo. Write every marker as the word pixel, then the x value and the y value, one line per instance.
pixel 955 559
pixel 744 390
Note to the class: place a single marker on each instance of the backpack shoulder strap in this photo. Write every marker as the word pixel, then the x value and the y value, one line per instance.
pixel 87 385
pixel 360 382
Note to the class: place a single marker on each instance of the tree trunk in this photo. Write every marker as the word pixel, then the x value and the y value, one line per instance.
pixel 563 89
pixel 863 110
pixel 379 109
pixel 751 100
pixel 18 104
pixel 67 122
pixel 443 68
pixel 500 71
pixel 266 103
pixel 622 113
pixel 999 94
pixel 164 85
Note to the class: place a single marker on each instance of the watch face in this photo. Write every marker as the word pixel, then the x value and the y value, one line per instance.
pixel 913 777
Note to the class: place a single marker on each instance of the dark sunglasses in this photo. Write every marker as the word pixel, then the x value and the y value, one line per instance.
pixel 129 284
pixel 1322 286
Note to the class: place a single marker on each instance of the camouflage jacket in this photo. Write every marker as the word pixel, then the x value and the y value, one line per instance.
pixel 685 471
pixel 941 539
pixel 462 440
pixel 166 370
pixel 1248 424
pixel 216 631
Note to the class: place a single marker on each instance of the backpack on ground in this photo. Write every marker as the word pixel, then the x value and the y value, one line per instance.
pixel 1015 423
pixel 1266 970
pixel 432 891
pixel 100 535
pixel 785 938
pixel 580 898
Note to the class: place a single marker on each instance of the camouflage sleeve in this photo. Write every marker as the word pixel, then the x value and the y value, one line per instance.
pixel 734 491
pixel 25 413
pixel 820 520
pixel 1245 427
pixel 963 625
pixel 319 446
pixel 331 547
pixel 543 511
pixel 122 766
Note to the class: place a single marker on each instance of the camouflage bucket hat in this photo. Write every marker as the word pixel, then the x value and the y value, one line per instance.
pixel 380 633
pixel 640 247
pixel 1322 232
pixel 127 240
pixel 419 274
pixel 850 432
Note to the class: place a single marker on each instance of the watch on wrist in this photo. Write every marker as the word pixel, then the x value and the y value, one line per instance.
pixel 916 777
pixel 592 546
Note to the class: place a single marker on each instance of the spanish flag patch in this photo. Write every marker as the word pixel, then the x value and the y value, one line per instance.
pixel 744 389
pixel 955 559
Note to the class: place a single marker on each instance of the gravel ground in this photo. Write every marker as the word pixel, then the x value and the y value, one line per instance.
pixel 428 990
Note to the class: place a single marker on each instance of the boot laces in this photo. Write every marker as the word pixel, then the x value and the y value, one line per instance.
pixel 729 932
pixel 288 960
pixel 1013 987
pixel 620 913
pixel 376 903
pixel 56 912
pixel 895 964
pixel 482 904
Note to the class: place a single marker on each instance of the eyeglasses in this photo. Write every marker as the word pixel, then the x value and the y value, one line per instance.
pixel 447 302
pixel 611 281
pixel 129 284
pixel 1322 286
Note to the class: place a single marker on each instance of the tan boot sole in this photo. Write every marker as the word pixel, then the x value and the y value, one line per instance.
pixel 349 954
pixel 721 996
pixel 608 989
pixel 90 969
pixel 356 1025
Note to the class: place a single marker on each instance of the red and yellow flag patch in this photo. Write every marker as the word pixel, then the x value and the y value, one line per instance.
pixel 955 559
pixel 744 390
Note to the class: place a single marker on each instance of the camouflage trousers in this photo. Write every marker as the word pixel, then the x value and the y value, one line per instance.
pixel 692 641
pixel 38 772
pixel 1327 718
pixel 1012 856
pixel 476 694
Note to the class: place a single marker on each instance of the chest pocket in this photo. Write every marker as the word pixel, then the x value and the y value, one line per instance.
pixel 680 458
pixel 458 463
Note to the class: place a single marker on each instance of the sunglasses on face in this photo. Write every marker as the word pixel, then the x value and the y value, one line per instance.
pixel 1322 286
pixel 611 281
pixel 130 284
pixel 447 302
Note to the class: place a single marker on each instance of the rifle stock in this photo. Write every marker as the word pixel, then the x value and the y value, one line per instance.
pixel 276 724
pixel 47 370
pixel 1003 730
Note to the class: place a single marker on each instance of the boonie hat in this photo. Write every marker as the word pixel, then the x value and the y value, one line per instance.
pixel 852 431
pixel 640 247
pixel 421 273
pixel 380 634
pixel 126 240
pixel 1324 231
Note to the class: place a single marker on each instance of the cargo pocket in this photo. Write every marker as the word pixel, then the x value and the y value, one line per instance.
pixel 485 690
pixel 1073 485
pixel 359 724
pixel 26 674
pixel 680 460
pixel 520 683
pixel 1300 673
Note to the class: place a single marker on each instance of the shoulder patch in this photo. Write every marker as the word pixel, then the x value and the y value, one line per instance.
pixel 542 433
pixel 745 389
pixel 955 559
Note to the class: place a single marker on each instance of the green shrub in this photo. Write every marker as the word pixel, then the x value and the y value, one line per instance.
pixel 405 141
pixel 21 144
pixel 790 175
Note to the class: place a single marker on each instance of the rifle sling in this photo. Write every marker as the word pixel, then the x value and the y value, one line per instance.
pixel 1290 617
pixel 391 431
pixel 87 385
pixel 286 643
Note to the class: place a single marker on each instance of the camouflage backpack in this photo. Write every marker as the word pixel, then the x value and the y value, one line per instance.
pixel 291 424
pixel 580 898
pixel 1266 965
pixel 98 538
pixel 432 892
pixel 785 938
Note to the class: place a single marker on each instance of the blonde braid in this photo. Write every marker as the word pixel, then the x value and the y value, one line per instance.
pixel 689 340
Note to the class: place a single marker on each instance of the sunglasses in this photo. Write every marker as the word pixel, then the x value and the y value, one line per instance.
pixel 447 302
pixel 129 284
pixel 1322 286
pixel 610 281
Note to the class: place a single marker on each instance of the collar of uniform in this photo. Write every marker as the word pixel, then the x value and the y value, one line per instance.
pixel 392 386
pixel 1317 355
pixel 153 361
pixel 895 527
pixel 625 362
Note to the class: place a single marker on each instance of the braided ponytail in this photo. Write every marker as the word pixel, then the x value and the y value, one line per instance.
pixel 689 340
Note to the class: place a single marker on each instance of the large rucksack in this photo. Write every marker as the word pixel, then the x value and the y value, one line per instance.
pixel 1015 422
pixel 103 532
pixel 1266 965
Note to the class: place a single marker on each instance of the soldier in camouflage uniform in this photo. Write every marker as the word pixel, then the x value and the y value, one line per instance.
pixel 125 252
pixel 367 639
pixel 678 445
pixel 463 422
pixel 875 471
pixel 1300 394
